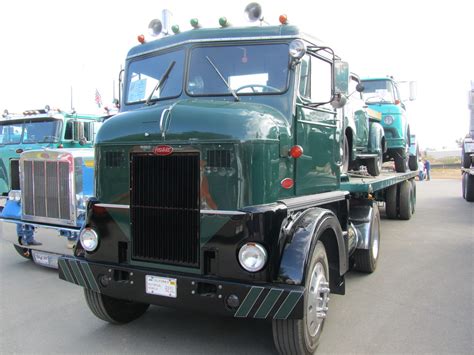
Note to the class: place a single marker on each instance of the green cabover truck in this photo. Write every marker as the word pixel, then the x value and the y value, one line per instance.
pixel 218 185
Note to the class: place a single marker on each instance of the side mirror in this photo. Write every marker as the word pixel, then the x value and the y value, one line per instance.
pixel 341 77
pixel 360 87
pixel 338 101
pixel 412 90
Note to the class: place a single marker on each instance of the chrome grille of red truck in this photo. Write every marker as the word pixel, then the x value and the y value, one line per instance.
pixel 165 208
pixel 46 190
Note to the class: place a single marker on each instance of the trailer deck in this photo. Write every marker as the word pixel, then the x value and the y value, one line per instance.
pixel 359 183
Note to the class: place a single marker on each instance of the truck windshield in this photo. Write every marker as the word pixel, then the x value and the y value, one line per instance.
pixel 30 132
pixel 143 77
pixel 247 69
pixel 377 91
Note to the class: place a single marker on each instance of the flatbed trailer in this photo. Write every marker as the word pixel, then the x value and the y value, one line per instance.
pixel 397 190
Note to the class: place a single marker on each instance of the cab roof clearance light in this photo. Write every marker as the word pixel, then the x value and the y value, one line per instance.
pixel 195 23
pixel 223 22
pixel 141 39
pixel 283 19
pixel 175 29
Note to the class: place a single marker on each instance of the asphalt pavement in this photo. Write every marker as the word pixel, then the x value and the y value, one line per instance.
pixel 419 300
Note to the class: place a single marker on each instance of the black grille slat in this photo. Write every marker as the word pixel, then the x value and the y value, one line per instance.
pixel 15 174
pixel 218 158
pixel 165 208
pixel 45 189
pixel 114 159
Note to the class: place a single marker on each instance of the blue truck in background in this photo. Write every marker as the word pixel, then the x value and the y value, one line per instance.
pixel 383 95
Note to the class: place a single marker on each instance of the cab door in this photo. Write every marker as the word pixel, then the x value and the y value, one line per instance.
pixel 360 117
pixel 316 129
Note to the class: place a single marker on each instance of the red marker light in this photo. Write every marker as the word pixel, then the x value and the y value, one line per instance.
pixel 296 151
pixel 19 151
pixel 283 19
pixel 141 39
pixel 287 183
pixel 397 102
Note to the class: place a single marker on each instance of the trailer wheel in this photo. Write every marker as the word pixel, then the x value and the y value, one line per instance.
pixel 365 260
pixel 413 195
pixel 113 310
pixel 466 159
pixel 301 336
pixel 406 196
pixel 374 166
pixel 391 202
pixel 469 187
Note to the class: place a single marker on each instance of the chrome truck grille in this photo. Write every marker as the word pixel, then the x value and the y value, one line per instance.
pixel 164 208
pixel 46 191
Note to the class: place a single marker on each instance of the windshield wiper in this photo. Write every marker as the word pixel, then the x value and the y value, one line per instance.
pixel 160 82
pixel 225 82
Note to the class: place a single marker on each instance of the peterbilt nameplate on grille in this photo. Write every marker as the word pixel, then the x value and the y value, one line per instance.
pixel 163 150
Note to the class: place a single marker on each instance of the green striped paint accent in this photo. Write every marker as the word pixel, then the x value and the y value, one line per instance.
pixel 90 276
pixel 288 304
pixel 66 271
pixel 248 302
pixel 268 303
pixel 78 274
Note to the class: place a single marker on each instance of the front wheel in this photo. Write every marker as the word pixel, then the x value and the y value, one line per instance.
pixel 301 336
pixel 113 310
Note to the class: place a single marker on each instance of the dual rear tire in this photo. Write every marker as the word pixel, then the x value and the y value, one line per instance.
pixel 400 200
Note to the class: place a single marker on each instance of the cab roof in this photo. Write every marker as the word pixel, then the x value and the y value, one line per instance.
pixel 221 34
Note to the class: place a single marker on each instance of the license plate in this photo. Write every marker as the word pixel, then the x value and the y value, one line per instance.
pixel 45 259
pixel 161 286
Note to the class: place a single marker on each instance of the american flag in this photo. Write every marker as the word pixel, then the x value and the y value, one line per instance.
pixel 98 98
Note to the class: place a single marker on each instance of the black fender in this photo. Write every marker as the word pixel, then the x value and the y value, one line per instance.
pixel 310 226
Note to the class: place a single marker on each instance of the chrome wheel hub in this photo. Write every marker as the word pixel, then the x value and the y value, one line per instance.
pixel 318 299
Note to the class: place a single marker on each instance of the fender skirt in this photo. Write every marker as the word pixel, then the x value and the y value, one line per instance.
pixel 302 235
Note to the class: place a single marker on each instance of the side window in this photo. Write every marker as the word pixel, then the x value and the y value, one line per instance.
pixel 321 80
pixel 68 131
pixel 316 79
pixel 88 131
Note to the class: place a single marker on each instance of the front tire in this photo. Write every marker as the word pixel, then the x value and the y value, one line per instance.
pixel 345 156
pixel 113 310
pixel 301 336
pixel 466 159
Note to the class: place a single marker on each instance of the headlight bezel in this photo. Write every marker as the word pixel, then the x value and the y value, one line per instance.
pixel 91 236
pixel 248 250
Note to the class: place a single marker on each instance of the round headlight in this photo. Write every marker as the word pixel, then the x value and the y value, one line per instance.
pixel 388 120
pixel 297 49
pixel 89 239
pixel 14 195
pixel 252 257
